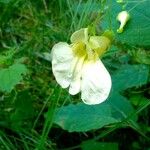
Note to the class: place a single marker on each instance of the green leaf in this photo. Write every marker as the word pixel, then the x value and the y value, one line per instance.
pixel 120 106
pixel 129 76
pixel 11 76
pixel 83 117
pixel 93 145
pixel 137 30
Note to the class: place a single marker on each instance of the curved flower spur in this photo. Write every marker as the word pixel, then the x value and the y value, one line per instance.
pixel 78 66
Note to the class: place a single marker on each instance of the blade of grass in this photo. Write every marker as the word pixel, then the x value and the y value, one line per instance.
pixel 4 144
pixel 49 119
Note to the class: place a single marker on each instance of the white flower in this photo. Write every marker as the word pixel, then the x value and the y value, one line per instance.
pixel 78 67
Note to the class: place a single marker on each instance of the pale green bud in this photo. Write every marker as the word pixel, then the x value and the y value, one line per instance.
pixel 122 17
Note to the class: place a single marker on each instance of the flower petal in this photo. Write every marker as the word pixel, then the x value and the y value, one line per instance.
pixel 96 83
pixel 80 36
pixel 99 44
pixel 62 57
pixel 75 85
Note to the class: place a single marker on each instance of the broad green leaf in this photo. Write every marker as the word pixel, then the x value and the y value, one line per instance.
pixel 137 30
pixel 129 76
pixel 93 145
pixel 11 76
pixel 83 117
pixel 120 106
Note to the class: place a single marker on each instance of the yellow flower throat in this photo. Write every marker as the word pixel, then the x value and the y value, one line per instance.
pixel 93 49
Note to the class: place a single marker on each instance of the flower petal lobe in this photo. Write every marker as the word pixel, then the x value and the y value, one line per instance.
pixel 62 57
pixel 80 36
pixel 96 83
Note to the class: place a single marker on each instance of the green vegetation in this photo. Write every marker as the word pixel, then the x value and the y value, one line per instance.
pixel 36 113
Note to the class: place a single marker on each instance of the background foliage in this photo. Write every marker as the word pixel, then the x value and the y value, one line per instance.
pixel 35 113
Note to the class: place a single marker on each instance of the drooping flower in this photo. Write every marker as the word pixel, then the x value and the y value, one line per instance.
pixel 122 17
pixel 78 66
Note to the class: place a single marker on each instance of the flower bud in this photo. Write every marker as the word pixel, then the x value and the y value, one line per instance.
pixel 119 1
pixel 122 17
